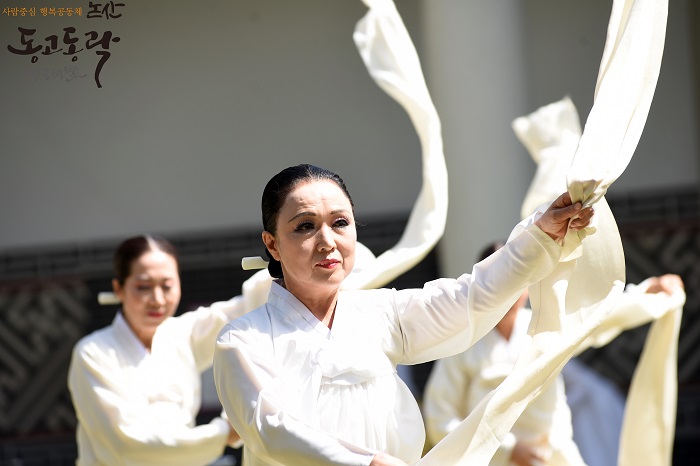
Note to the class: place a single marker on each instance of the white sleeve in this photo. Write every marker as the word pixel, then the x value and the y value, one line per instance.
pixel 445 397
pixel 447 316
pixel 121 432
pixel 205 323
pixel 247 381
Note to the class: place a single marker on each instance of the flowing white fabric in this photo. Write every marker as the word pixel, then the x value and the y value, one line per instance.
pixel 550 135
pixel 391 59
pixel 649 421
pixel 578 295
pixel 624 90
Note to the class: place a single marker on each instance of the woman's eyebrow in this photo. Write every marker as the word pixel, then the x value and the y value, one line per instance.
pixel 302 214
pixel 313 214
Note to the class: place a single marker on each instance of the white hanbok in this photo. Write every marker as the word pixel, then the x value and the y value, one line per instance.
pixel 299 393
pixel 138 407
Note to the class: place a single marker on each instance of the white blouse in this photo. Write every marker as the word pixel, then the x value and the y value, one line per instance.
pixel 138 407
pixel 299 393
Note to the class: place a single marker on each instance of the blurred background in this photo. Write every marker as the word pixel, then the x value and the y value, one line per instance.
pixel 169 117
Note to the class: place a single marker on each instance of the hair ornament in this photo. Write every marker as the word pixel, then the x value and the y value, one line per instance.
pixel 107 298
pixel 253 263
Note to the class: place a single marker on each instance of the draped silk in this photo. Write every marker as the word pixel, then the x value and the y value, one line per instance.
pixel 572 302
pixel 550 135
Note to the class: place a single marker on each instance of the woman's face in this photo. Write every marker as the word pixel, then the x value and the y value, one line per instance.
pixel 315 239
pixel 150 293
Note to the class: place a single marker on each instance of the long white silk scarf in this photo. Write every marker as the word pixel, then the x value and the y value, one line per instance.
pixel 570 304
pixel 580 293
pixel 550 134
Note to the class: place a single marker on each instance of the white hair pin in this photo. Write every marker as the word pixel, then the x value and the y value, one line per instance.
pixel 253 263
pixel 107 298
